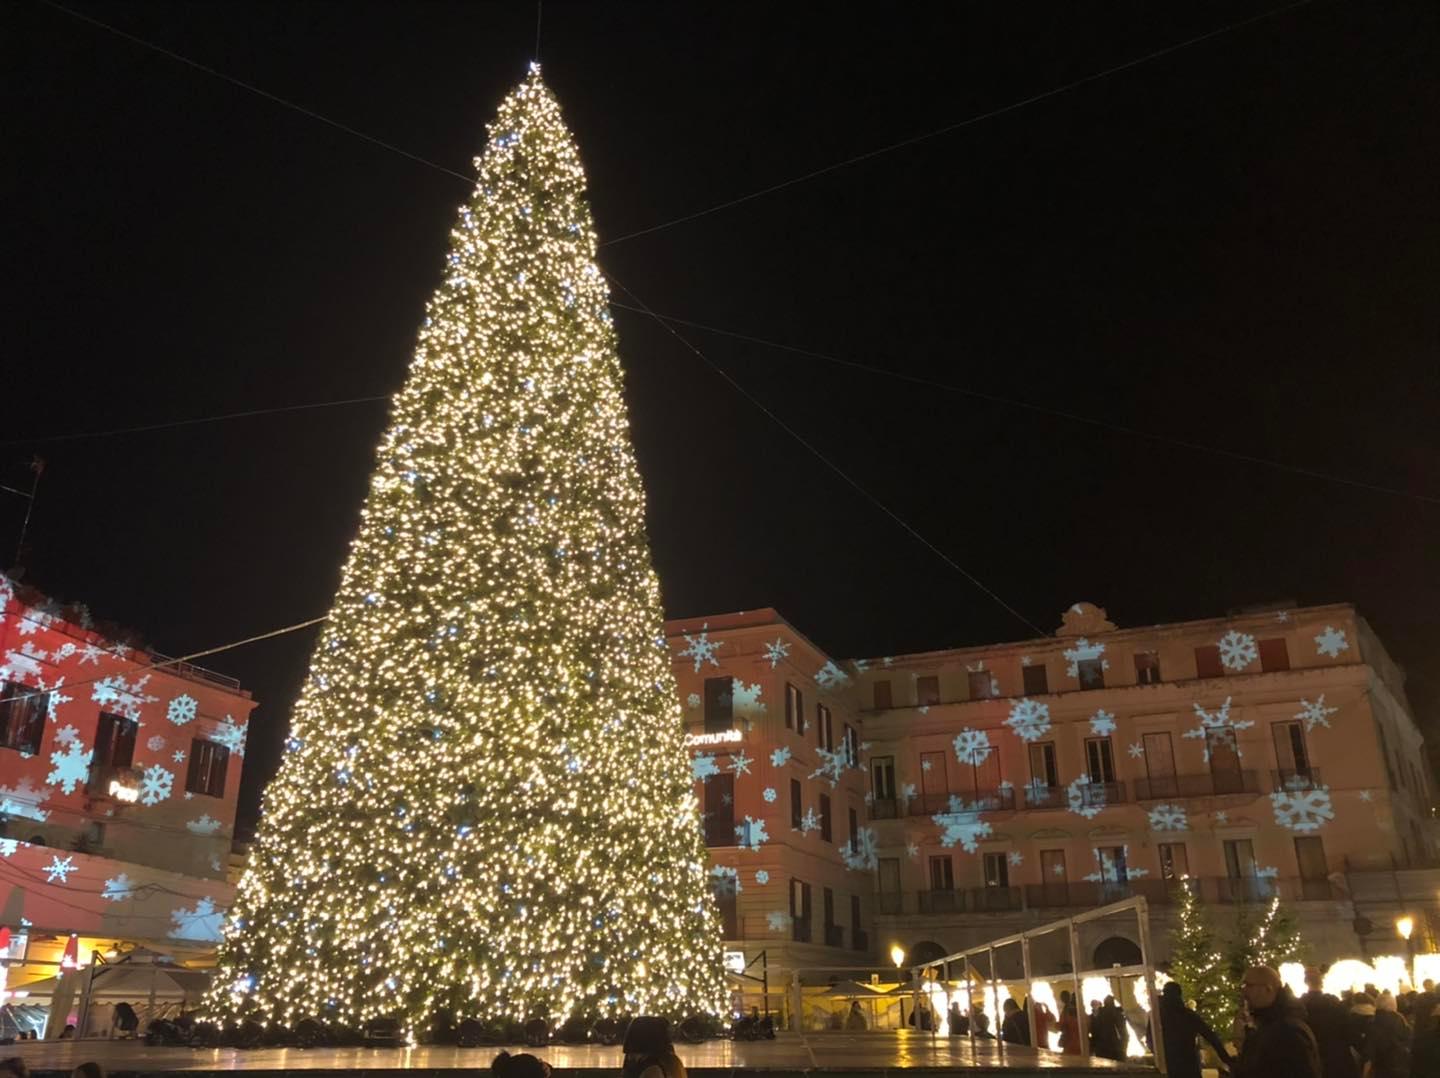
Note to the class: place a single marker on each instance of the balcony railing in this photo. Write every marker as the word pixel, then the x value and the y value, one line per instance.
pixel 1093 795
pixel 1084 894
pixel 800 929
pixel 1296 778
pixel 1210 784
pixel 934 804
pixel 884 808
pixel 969 900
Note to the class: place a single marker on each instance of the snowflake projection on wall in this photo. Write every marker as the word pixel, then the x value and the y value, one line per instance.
pixel 155 783
pixel 1264 878
pixel 1084 651
pixel 831 676
pixel 65 735
pixel 122 697
pixel 205 825
pixel 59 868
pixel 1017 858
pixel 693 701
pixel 703 766
pixel 118 888
pixel 860 665
pixel 1237 650
pixel 1222 816
pixel 911 850
pixel 1030 719
pixel 972 746
pixel 1332 642
pixel 201 923
pixel 1086 798
pixel 1111 871
pixel 1102 723
pixel 746 701
pixel 155 744
pixel 23 801
pixel 961 824
pixel 1137 750
pixel 701 648
pixel 8 846
pixel 182 709
pixel 780 757
pixel 740 763
pixel 751 833
pixel 54 698
pixel 762 877
pixel 776 651
pixel 20 667
pixel 863 854
pixel 70 768
pixel 907 791
pixel 178 756
pixel 832 766
pixel 926 765
pixel 725 881
pixel 1219 719
pixel 1366 795
pixel 776 921
pixel 809 822
pixel 770 795
pixel 90 654
pixel 1169 818
pixel 1303 810
pixel 231 736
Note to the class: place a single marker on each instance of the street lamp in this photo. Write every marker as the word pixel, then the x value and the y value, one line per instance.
pixel 1405 925
pixel 897 955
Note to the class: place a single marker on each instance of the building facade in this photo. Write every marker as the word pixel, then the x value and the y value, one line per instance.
pixel 1268 753
pixel 119 775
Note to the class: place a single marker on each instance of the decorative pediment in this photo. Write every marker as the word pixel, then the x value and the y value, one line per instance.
pixel 1084 619
pixel 1051 832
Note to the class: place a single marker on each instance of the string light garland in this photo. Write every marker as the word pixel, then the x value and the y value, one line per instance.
pixel 485 804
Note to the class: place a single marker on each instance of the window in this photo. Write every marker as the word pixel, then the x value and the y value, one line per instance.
pixel 997 870
pixel 1314 872
pixel 1239 859
pixel 1291 755
pixel 882 777
pixel 851 743
pixel 1147 668
pixel 826 734
pixel 882 694
pixel 800 910
pixel 1160 778
pixel 1174 863
pixel 1207 661
pixel 1044 771
pixel 1053 879
pixel 114 749
pixel 1225 774
pixel 1036 681
pixel 942 874
pixel 927 691
pixel 208 762
pixel 1099 760
pixel 797 811
pixel 855 929
pixel 833 935
pixel 1113 867
pixel 980 777
pixel 1091 673
pixel 825 830
pixel 728 902
pixel 720 809
pixel 982 685
pixel 889 872
pixel 719 700
pixel 1273 655
pixel 854 831
pixel 22 718
pixel 934 787
pixel 794 709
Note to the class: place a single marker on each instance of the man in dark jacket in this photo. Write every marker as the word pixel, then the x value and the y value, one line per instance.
pixel 1180 1026
pixel 1015 1029
pixel 1329 1020
pixel 1281 1045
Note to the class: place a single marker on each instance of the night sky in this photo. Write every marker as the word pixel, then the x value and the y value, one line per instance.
pixel 1233 244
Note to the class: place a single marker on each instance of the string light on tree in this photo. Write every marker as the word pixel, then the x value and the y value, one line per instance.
pixel 486 804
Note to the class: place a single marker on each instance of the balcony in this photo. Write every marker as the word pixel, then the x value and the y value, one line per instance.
pixel 834 936
pixel 1087 894
pixel 800 929
pixel 1295 778
pixel 884 808
pixel 935 804
pixel 1094 795
pixel 1210 784
pixel 969 900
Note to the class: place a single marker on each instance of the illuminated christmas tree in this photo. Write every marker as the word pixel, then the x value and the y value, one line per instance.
pixel 485 804
pixel 1275 938
pixel 1198 964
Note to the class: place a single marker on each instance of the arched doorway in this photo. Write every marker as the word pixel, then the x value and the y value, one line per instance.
pixel 925 951
pixel 1117 951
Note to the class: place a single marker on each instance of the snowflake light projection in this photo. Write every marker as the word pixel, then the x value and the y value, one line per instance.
pixel 1030 719
pixel 745 701
pixel 65 735
pixel 693 701
pixel 20 666
pixel 776 651
pixel 1017 858
pixel 776 921
pixel 831 676
pixel 182 709
pixel 911 850
pixel 740 763
pixel 155 744
pixel 23 801
pixel 1219 719
pixel 863 854
pixel 1112 872
pixel 832 766
pixel 1084 651
pixel 1303 810
pixel 780 757
pixel 124 698
pixel 1169 818
pixel 231 736
pixel 701 648
pixel 205 825
pixel 809 822
pixel 1086 798
pixel 770 795
pixel 751 833
pixel 907 791
pixel 1102 723
pixel 703 766
pixel 59 869
pixel 961 824
pixel 1332 642
pixel 1137 750
pixel 70 768
pixel 972 746
pixel 1237 650
pixel 762 877
pixel 155 783
pixel 725 881
pixel 54 698
pixel 90 654
pixel 118 888
pixel 8 846
pixel 201 923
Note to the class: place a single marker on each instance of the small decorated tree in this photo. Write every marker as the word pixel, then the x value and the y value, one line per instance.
pixel 1198 964
pixel 1276 937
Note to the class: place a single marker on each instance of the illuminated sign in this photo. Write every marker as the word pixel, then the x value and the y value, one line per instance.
pixel 121 792
pixel 723 737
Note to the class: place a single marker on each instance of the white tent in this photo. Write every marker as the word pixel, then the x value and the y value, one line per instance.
pixel 150 982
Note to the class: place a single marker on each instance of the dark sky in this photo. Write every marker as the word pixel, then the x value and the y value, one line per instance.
pixel 1232 244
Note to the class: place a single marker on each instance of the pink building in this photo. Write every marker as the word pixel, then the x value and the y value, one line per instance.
pixel 119 774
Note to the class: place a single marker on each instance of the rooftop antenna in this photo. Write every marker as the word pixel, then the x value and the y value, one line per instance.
pixel 37 467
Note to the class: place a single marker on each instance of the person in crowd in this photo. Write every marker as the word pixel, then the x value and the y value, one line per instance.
pixel 1015 1026
pixel 1386 1048
pixel 980 1021
pixel 1103 1040
pixel 1281 1044
pixel 1044 1023
pixel 956 1021
pixel 88 1070
pixel 1180 1026
pixel 649 1052
pixel 522 1065
pixel 1069 1025
pixel 14 1067
pixel 1425 1038
pixel 855 1020
pixel 1114 1014
pixel 1329 1020
pixel 68 1033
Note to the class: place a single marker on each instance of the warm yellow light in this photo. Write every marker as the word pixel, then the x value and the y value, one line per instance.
pixel 897 955
pixel 1405 925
